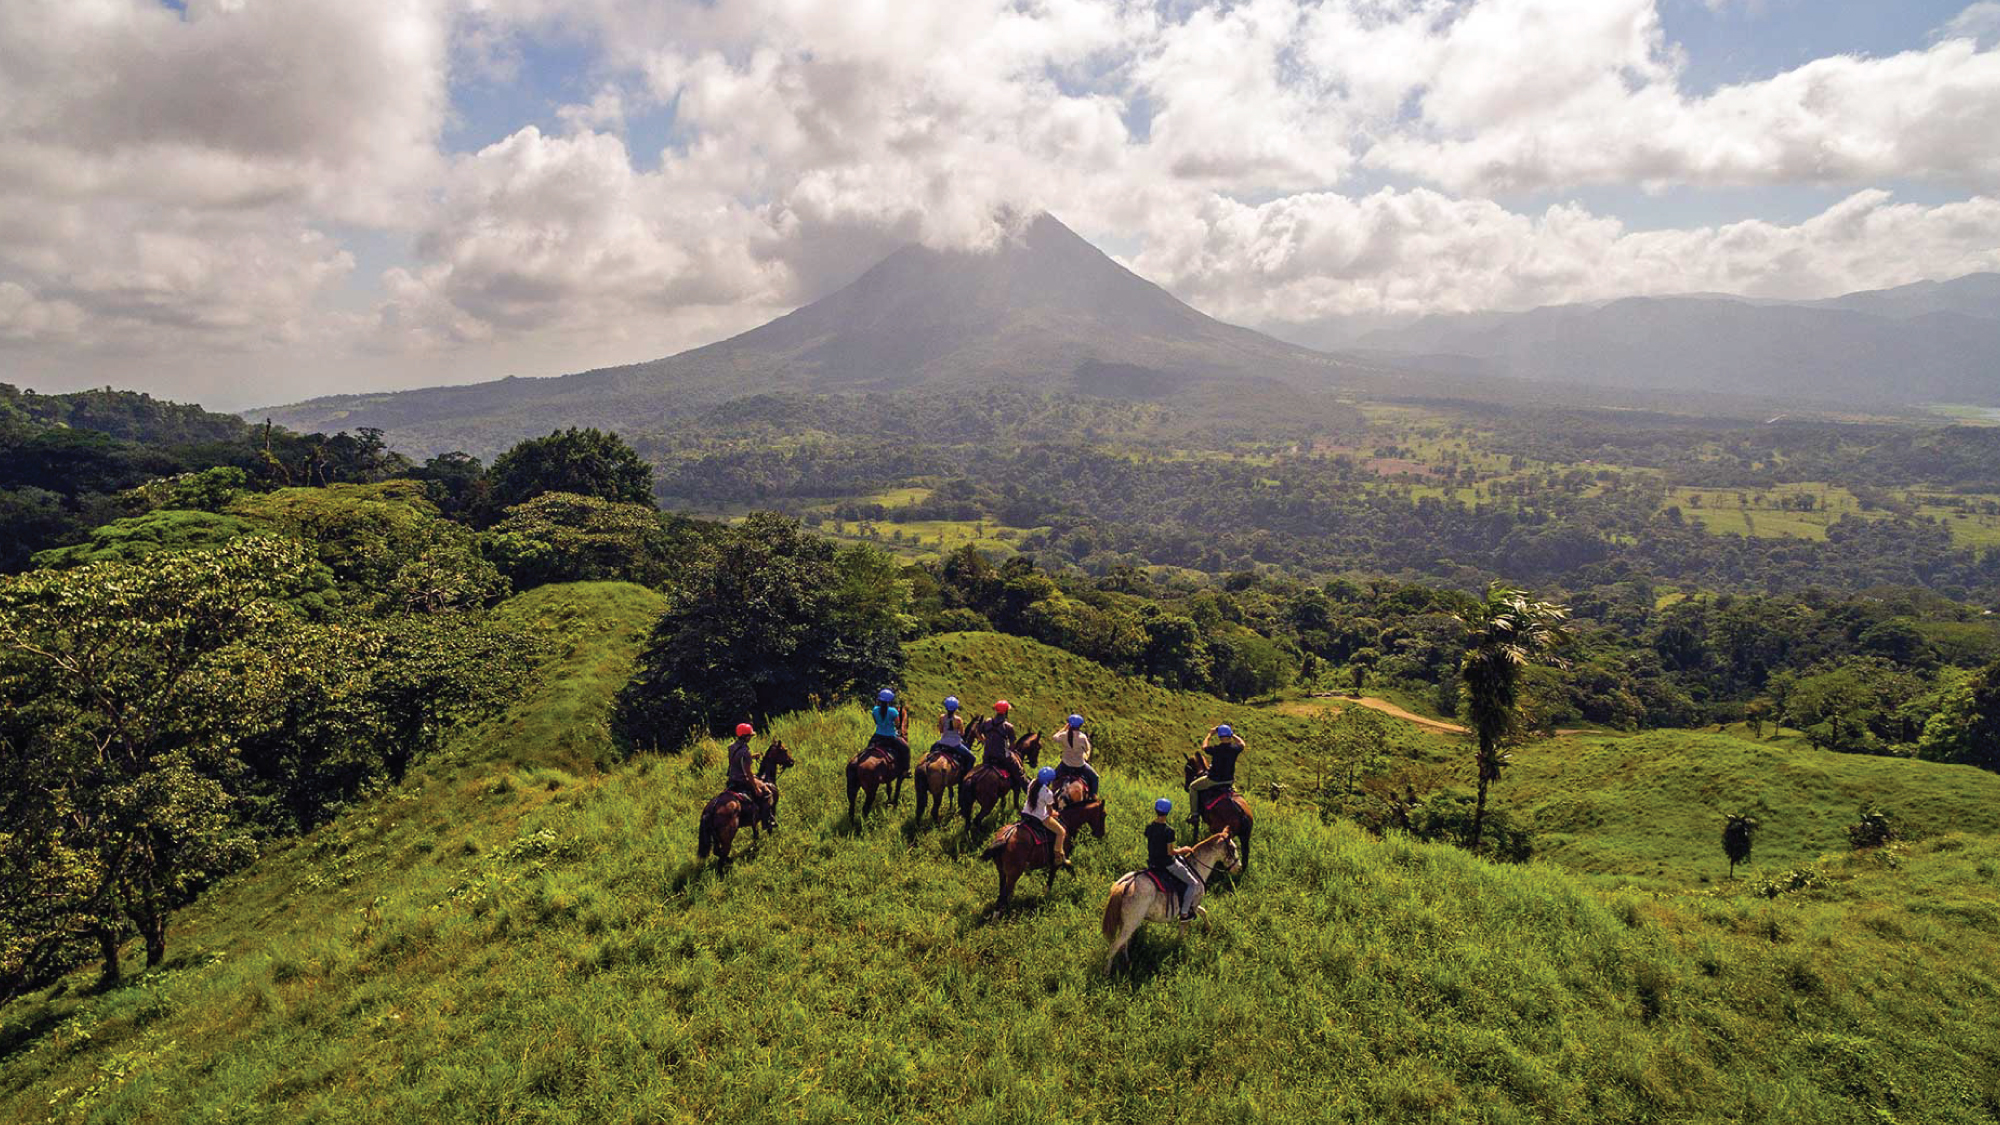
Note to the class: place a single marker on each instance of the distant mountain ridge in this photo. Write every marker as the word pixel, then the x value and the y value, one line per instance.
pixel 1934 341
pixel 1045 310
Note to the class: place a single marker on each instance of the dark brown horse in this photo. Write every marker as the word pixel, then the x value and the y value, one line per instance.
pixel 730 811
pixel 982 788
pixel 874 768
pixel 1016 850
pixel 1077 810
pixel 939 774
pixel 1231 811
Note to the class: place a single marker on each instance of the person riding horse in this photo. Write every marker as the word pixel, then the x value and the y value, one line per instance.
pixel 1075 746
pixel 1164 859
pixel 892 731
pixel 743 778
pixel 1039 812
pixel 996 735
pixel 1223 747
pixel 951 735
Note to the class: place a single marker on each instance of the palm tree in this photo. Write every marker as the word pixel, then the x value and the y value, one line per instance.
pixel 1505 634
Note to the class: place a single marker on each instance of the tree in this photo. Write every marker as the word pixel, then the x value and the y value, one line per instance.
pixel 585 462
pixel 1873 830
pixel 770 620
pixel 1352 746
pixel 1504 634
pixel 1966 727
pixel 1737 832
pixel 564 537
pixel 116 679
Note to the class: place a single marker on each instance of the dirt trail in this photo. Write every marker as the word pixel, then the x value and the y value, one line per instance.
pixel 1438 725
pixel 1390 709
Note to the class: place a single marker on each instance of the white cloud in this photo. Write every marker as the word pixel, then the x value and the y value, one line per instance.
pixel 1980 23
pixel 1321 255
pixel 170 185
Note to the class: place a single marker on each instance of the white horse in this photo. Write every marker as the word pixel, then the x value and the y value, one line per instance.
pixel 1135 900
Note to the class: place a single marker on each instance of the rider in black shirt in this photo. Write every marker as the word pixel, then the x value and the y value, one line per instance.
pixel 1164 857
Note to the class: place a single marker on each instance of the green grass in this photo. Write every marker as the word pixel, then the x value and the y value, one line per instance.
pixel 509 940
pixel 1649 808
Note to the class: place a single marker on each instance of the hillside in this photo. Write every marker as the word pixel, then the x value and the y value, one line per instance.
pixel 1939 340
pixel 517 935
pixel 1046 310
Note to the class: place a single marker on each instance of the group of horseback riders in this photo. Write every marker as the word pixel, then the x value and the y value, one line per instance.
pixel 997 740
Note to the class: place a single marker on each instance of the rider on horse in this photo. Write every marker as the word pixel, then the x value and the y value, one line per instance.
pixel 1164 859
pixel 1075 756
pixel 1039 810
pixel 951 735
pixel 997 735
pixel 1223 747
pixel 743 778
pixel 892 728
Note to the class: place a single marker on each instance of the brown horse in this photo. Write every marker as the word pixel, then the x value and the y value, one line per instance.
pixel 872 769
pixel 1135 901
pixel 730 810
pixel 1016 850
pixel 983 786
pixel 939 774
pixel 1231 811
pixel 1077 810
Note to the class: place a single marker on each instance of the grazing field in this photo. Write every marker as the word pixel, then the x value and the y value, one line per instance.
pixel 517 935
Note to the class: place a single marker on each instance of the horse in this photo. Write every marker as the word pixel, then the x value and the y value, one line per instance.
pixel 730 810
pixel 1231 811
pixel 872 769
pixel 1016 850
pixel 1135 900
pixel 1076 809
pixel 939 774
pixel 984 785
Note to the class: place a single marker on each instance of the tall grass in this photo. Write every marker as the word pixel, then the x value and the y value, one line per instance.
pixel 516 939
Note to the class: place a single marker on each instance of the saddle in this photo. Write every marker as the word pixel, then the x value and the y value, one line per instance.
pixel 876 751
pixel 944 753
pixel 1037 830
pixel 1165 883
pixel 1217 795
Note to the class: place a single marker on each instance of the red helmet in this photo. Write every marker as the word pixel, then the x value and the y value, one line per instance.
pixel 745 730
pixel 1003 707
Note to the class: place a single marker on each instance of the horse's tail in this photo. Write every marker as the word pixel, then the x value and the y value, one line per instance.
pixel 1114 911
pixel 707 836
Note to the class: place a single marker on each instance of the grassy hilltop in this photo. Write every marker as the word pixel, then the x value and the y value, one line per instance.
pixel 519 934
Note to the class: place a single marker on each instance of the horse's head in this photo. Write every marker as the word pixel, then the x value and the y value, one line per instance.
pixel 1029 747
pixel 778 757
pixel 1197 764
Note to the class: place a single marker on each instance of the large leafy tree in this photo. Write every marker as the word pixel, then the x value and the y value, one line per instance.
pixel 120 682
pixel 1966 728
pixel 1507 632
pixel 565 537
pixel 769 620
pixel 585 462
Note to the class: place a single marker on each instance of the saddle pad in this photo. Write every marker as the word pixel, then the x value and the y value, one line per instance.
pixel 1215 797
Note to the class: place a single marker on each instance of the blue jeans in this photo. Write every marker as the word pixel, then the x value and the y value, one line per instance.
pixel 1084 771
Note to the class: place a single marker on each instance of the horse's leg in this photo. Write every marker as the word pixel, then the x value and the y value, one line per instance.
pixel 853 787
pixel 923 792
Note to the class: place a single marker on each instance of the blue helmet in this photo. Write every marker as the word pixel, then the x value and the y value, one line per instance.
pixel 1163 806
pixel 1046 774
pixel 951 703
pixel 1223 731
pixel 885 696
pixel 1076 722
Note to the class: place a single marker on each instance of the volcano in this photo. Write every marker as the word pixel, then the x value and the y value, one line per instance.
pixel 1045 310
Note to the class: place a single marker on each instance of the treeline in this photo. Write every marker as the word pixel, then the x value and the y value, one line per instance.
pixel 230 663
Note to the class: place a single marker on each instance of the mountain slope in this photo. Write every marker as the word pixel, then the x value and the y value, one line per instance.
pixel 1934 342
pixel 1046 310
pixel 511 940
